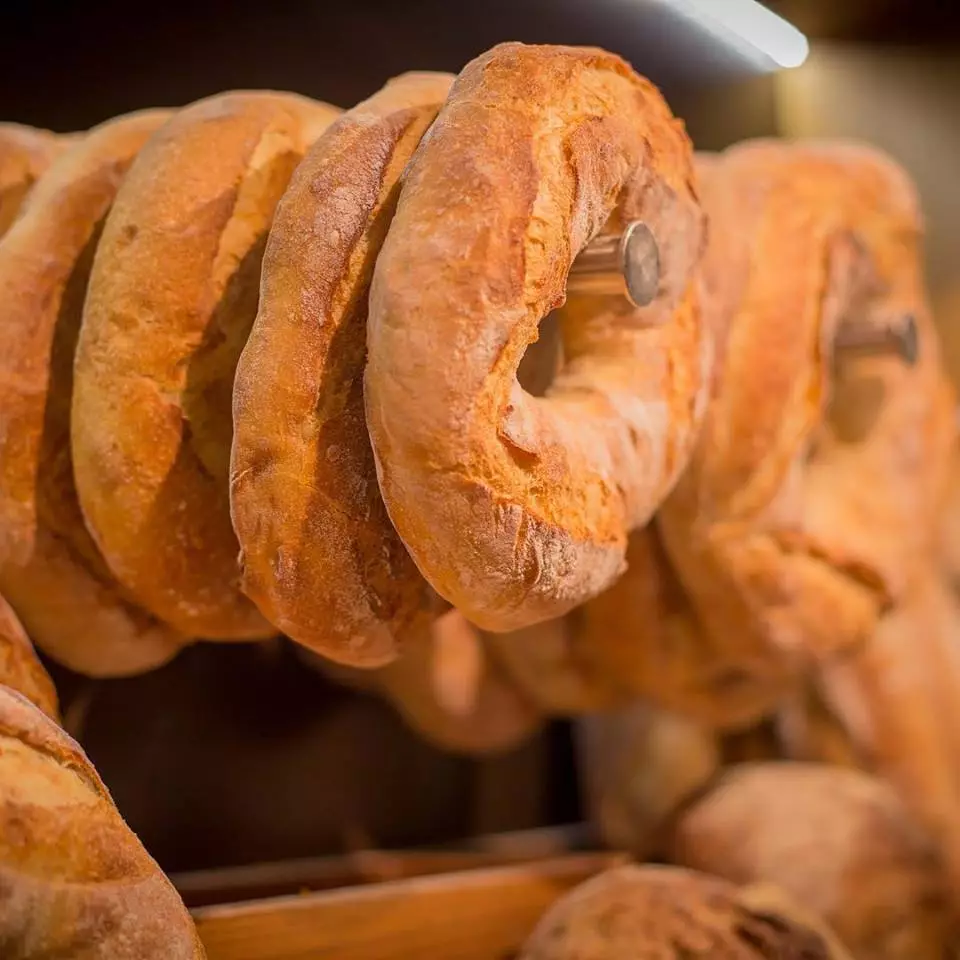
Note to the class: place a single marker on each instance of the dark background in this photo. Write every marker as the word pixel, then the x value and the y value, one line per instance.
pixel 69 65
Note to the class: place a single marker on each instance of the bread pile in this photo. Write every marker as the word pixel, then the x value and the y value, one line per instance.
pixel 260 373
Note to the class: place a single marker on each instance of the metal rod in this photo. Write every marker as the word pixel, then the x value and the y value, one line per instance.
pixel 628 265
pixel 900 338
pixel 625 264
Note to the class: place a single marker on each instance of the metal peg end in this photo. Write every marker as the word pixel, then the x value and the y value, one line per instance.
pixel 626 265
pixel 640 263
pixel 902 339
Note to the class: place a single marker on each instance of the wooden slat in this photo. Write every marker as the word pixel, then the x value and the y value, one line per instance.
pixel 477 915
pixel 260 880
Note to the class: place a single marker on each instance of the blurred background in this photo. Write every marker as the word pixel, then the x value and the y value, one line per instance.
pixel 244 754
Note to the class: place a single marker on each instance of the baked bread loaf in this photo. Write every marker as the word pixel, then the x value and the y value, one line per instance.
pixel 25 153
pixel 20 670
pixel 812 496
pixel 51 571
pixel 642 639
pixel 809 510
pixel 515 508
pixel 950 524
pixel 172 295
pixel 75 883
pixel 319 555
pixel 453 693
pixel 898 699
pixel 838 841
pixel 667 913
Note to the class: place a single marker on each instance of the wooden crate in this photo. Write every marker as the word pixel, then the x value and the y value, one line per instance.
pixel 472 914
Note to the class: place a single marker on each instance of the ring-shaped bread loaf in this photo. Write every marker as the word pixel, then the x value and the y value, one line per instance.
pixel 453 693
pixel 642 639
pixel 808 515
pixel 517 508
pixel 25 153
pixel 811 500
pixel 51 570
pixel 20 669
pixel 172 296
pixel 319 555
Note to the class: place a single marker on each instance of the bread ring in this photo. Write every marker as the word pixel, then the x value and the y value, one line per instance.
pixel 25 153
pixel 642 640
pixel 950 524
pixel 808 513
pixel 811 500
pixel 172 296
pixel 516 509
pixel 319 554
pixel 74 880
pixel 898 698
pixel 20 670
pixel 50 568
pixel 449 689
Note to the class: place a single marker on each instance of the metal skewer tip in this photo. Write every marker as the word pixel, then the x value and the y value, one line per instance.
pixel 626 264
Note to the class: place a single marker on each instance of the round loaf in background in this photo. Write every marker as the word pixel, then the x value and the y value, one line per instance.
pixel 172 295
pixel 669 913
pixel 837 840
pixel 51 570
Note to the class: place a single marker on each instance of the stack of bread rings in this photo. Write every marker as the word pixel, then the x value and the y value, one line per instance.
pixel 261 373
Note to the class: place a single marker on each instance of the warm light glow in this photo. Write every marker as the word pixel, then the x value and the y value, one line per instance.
pixel 752 23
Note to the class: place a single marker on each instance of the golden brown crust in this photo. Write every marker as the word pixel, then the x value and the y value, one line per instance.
pixel 319 554
pixel 75 883
pixel 811 498
pixel 50 569
pixel 950 523
pixel 642 639
pixel 516 508
pixel 25 153
pixel 899 700
pixel 809 512
pixel 666 913
pixel 450 690
pixel 20 669
pixel 172 296
pixel 837 840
